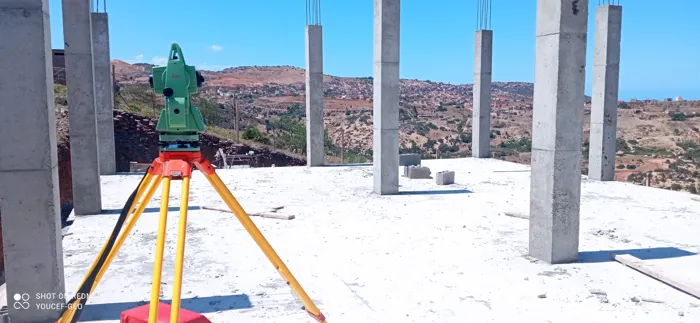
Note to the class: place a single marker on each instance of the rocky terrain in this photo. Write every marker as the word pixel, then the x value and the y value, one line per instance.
pixel 659 138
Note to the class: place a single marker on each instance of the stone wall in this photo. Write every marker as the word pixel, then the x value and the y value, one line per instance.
pixel 136 140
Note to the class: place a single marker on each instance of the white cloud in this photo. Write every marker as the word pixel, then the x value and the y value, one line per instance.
pixel 159 60
pixel 137 59
pixel 216 48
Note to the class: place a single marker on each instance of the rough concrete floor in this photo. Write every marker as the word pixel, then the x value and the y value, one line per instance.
pixel 431 254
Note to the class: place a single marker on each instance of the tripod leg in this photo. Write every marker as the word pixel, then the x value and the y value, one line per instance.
pixel 160 245
pixel 146 181
pixel 140 193
pixel 150 191
pixel 145 191
pixel 255 233
pixel 180 251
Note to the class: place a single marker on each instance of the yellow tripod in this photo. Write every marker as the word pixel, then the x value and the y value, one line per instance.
pixel 167 167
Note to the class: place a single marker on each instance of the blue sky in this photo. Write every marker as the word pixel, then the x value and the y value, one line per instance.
pixel 660 46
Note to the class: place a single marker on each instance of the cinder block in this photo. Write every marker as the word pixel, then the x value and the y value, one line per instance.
pixel 418 172
pixel 409 160
pixel 445 177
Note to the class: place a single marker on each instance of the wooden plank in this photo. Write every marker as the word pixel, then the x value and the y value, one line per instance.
pixel 223 157
pixel 273 216
pixel 269 215
pixel 517 215
pixel 649 270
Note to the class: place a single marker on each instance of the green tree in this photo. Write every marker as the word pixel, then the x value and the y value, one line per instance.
pixel 212 112
pixel 252 133
pixel 293 134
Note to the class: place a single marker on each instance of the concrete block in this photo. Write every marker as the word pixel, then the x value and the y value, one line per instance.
pixel 386 96
pixel 409 159
pixel 77 35
pixel 555 189
pixel 481 108
pixel 606 76
pixel 103 93
pixel 29 197
pixel 418 172
pixel 314 96
pixel 445 177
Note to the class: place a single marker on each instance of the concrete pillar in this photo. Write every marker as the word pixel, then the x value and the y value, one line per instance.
pixel 84 151
pixel 560 70
pixel 481 108
pixel 103 93
pixel 29 200
pixel 606 80
pixel 386 96
pixel 314 95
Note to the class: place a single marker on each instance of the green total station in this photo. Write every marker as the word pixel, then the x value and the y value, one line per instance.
pixel 180 123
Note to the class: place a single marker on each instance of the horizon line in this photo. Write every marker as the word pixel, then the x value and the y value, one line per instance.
pixel 410 79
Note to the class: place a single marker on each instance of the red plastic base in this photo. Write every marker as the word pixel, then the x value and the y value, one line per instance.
pixel 140 315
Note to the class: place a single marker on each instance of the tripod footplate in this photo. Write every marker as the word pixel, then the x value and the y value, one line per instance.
pixel 140 315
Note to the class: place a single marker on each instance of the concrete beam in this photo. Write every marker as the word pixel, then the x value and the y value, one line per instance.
pixel 560 71
pixel 103 93
pixel 386 96
pixel 29 199
pixel 606 81
pixel 314 96
pixel 80 80
pixel 481 108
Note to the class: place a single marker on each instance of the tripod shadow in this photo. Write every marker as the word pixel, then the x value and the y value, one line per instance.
pixel 153 209
pixel 202 305
pixel 642 254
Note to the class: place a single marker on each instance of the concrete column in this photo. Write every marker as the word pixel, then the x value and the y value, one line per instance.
pixel 606 80
pixel 29 200
pixel 103 93
pixel 314 95
pixel 481 108
pixel 80 80
pixel 560 70
pixel 386 96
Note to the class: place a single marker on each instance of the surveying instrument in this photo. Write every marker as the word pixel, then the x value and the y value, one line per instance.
pixel 179 126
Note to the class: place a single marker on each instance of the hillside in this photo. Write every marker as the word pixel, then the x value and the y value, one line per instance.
pixel 656 137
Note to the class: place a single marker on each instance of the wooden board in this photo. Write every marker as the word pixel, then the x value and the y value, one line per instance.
pixel 649 270
pixel 269 215
pixel 517 215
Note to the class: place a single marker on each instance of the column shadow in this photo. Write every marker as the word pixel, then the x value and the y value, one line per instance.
pixel 436 192
pixel 202 305
pixel 643 254
pixel 348 165
pixel 152 209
